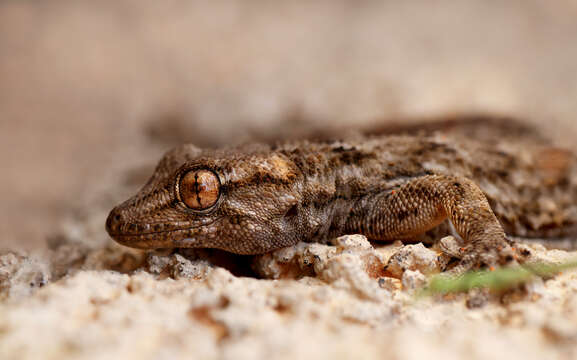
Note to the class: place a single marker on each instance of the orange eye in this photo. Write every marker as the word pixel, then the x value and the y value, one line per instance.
pixel 199 189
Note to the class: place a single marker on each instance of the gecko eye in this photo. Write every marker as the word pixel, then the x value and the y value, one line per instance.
pixel 199 189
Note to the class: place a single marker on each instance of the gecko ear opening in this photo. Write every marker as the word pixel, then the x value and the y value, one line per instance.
pixel 292 212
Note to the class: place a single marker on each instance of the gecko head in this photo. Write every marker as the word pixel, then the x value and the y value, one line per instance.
pixel 245 202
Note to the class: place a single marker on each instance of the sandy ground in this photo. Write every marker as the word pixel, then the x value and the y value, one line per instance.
pixel 89 298
pixel 92 93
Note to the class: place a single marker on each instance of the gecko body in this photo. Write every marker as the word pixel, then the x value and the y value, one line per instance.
pixel 258 198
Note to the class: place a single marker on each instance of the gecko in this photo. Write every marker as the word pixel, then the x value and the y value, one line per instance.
pixel 256 198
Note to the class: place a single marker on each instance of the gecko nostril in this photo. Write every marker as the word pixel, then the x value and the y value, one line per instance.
pixel 292 212
pixel 113 221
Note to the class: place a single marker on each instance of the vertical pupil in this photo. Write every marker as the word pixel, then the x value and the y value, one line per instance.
pixel 197 190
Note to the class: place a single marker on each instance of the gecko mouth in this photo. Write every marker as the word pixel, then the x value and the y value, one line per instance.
pixel 152 240
pixel 146 236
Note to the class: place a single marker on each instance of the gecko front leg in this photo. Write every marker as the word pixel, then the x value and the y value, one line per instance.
pixel 423 203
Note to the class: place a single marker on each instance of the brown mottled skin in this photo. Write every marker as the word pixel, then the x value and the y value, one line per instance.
pixel 387 188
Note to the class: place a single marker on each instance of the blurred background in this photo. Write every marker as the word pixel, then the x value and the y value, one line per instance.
pixel 89 89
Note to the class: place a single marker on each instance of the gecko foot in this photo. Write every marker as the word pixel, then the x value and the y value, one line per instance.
pixel 480 256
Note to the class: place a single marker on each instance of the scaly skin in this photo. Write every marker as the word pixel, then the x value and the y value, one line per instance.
pixel 387 188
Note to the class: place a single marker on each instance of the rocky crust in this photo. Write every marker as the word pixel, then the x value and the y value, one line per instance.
pixel 91 298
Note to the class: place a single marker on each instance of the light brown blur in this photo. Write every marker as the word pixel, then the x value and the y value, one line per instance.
pixel 93 92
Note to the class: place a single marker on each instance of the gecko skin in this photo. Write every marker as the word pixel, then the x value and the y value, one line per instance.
pixel 255 199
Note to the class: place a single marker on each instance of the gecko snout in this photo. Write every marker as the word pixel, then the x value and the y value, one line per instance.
pixel 122 230
pixel 129 229
pixel 114 222
pixel 121 223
